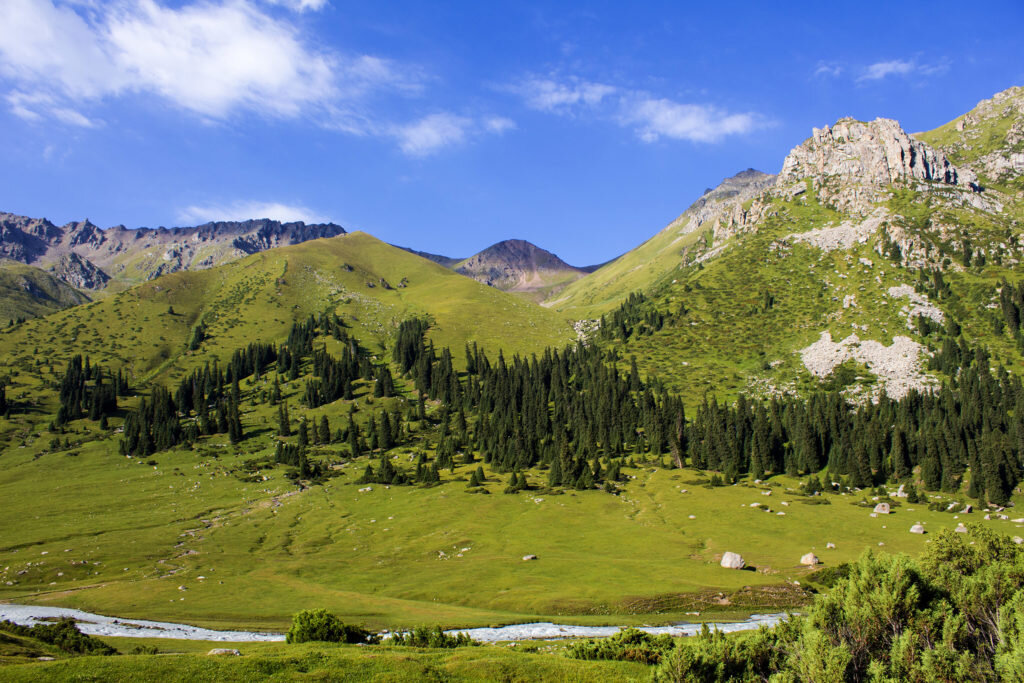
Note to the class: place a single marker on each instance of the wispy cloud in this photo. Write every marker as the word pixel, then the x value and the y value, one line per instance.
pixel 546 94
pixel 650 116
pixel 657 118
pixel 244 210
pixel 880 70
pixel 437 131
pixel 902 67
pixel 300 5
pixel 828 70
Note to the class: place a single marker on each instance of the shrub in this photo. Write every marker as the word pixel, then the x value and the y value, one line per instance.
pixel 322 626
pixel 64 635
pixel 426 636
pixel 629 644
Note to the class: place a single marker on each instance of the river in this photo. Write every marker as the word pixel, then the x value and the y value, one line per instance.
pixel 98 625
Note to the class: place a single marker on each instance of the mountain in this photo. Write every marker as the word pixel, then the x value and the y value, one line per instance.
pixel 90 257
pixel 372 285
pixel 519 266
pixel 28 292
pixel 605 287
pixel 852 267
pixel 446 261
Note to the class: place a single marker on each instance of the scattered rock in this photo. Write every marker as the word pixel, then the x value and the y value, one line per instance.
pixel 809 560
pixel 1018 540
pixel 917 529
pixel 224 651
pixel 882 508
pixel 898 366
pixel 732 560
pixel 830 545
pixel 960 529
pixel 527 558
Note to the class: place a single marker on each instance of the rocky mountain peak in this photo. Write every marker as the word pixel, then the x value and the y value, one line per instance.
pixel 875 153
pixel 516 265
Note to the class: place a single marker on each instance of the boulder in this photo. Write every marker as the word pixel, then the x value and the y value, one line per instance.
pixel 809 560
pixel 224 651
pixel 1018 540
pixel 882 508
pixel 733 561
pixel 960 529
pixel 830 545
pixel 528 558
pixel 917 529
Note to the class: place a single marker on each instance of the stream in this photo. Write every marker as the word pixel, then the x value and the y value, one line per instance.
pixel 97 625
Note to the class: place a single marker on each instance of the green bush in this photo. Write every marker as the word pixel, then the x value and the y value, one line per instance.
pixel 322 626
pixel 426 636
pixel 629 645
pixel 64 635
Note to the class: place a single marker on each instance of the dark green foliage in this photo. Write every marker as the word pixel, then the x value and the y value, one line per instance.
pixel 634 317
pixel 629 644
pixel 319 625
pixel 434 637
pixel 63 634
pixel 956 615
pixel 79 398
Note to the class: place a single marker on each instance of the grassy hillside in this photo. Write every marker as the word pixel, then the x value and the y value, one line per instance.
pixel 373 286
pixel 639 269
pixel 29 292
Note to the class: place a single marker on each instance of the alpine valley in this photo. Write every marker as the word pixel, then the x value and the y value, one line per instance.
pixel 803 394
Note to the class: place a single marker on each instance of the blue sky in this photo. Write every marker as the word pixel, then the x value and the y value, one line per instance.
pixel 449 126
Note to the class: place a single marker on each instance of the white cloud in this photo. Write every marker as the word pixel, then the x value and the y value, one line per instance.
pixel 437 131
pixel 650 116
pixel 546 94
pixel 244 210
pixel 828 69
pixel 656 118
pixel 431 133
pixel 300 5
pixel 499 124
pixel 210 58
pixel 29 105
pixel 880 70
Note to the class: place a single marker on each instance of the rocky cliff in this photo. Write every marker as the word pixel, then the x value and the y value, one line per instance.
pixel 87 256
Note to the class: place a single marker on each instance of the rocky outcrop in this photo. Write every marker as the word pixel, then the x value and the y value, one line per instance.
pixel 990 137
pixel 810 560
pixel 79 272
pixel 876 153
pixel 722 209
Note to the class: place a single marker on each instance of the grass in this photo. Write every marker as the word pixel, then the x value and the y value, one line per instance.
pixel 268 549
pixel 29 292
pixel 320 661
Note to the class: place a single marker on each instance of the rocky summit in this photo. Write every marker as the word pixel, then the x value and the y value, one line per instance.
pixel 87 256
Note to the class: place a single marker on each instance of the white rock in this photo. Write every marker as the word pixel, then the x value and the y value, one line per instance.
pixel 527 558
pixel 830 545
pixel 882 508
pixel 917 529
pixel 224 651
pixel 960 529
pixel 732 560
pixel 809 560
